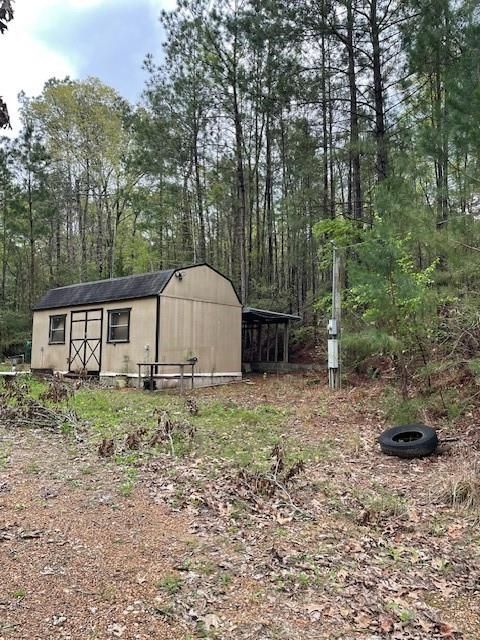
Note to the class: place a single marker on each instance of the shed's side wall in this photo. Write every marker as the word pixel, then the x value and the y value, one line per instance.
pixel 200 315
pixel 142 333
pixel 202 283
pixel 210 331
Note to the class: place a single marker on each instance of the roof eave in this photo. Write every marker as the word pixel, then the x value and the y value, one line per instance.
pixel 89 304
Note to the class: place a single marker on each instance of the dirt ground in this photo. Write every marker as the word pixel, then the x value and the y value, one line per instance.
pixel 360 545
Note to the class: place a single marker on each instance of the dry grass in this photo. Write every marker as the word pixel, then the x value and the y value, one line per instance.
pixel 463 488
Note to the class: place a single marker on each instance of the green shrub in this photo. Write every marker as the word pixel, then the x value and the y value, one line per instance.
pixel 473 366
pixel 15 330
pixel 440 405
pixel 359 347
pixel 405 411
pixel 303 336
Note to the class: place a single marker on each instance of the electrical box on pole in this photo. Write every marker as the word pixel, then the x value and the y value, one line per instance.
pixel 332 354
pixel 332 327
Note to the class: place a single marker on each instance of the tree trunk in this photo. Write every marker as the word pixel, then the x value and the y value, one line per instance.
pixel 356 205
pixel 241 191
pixel 31 238
pixel 268 201
pixel 381 146
pixel 324 119
pixel 4 250
pixel 202 251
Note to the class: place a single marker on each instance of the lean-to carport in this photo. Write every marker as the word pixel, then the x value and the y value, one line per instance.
pixel 265 335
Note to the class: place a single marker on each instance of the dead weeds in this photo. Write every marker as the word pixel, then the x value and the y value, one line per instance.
pixel 463 487
pixel 19 409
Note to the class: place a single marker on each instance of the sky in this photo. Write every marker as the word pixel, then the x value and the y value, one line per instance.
pixel 78 38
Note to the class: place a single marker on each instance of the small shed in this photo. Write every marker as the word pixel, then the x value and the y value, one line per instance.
pixel 105 328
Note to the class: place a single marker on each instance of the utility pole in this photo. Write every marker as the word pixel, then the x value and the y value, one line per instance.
pixel 334 357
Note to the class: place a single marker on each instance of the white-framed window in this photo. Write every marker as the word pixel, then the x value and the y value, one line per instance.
pixel 56 332
pixel 119 325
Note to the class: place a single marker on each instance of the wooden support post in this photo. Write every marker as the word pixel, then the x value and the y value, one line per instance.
pixel 285 342
pixel 182 378
pixel 259 342
pixel 268 343
pixel 276 342
pixel 244 341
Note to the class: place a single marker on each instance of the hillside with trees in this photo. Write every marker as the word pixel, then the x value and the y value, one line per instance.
pixel 269 130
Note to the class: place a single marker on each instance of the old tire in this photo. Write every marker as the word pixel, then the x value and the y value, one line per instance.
pixel 409 441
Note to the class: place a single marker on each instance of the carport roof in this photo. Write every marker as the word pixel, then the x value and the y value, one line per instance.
pixel 266 317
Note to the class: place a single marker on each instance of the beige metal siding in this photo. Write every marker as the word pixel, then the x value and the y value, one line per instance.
pixel 200 315
pixel 209 331
pixel 45 356
pixel 201 283
pixel 142 333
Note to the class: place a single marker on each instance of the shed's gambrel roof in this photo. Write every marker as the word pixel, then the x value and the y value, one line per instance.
pixel 128 288
pixel 143 285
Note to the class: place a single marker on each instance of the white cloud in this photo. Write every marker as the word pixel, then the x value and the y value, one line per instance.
pixel 27 61
pixel 169 5
pixel 35 11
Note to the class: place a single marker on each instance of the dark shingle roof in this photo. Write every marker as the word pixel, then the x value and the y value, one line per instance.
pixel 127 288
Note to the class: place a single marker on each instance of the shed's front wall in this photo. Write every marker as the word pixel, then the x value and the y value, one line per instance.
pixel 200 316
pixel 142 334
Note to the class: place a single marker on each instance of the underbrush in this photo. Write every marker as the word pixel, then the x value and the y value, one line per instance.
pixel 444 391
pixel 443 405
pixel 25 405
pixel 363 350
pixel 219 450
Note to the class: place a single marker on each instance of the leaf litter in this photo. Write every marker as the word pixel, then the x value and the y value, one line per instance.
pixel 346 545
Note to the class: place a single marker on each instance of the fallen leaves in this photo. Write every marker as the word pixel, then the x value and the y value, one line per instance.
pixel 358 551
pixel 211 621
pixel 385 623
pixel 446 630
pixel 117 630
pixel 12 532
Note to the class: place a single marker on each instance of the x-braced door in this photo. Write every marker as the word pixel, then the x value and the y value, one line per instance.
pixel 86 341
